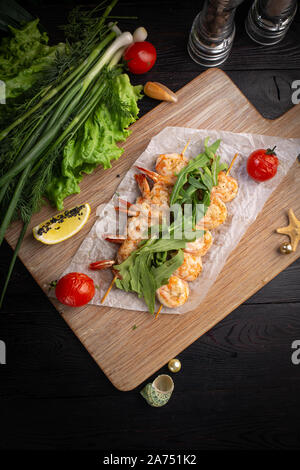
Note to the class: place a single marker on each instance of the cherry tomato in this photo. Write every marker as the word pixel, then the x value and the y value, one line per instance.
pixel 75 289
pixel 262 164
pixel 140 57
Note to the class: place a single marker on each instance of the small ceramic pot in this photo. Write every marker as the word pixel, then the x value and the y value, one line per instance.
pixel 159 392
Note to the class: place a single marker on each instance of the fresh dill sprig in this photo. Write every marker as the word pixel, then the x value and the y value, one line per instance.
pixel 52 112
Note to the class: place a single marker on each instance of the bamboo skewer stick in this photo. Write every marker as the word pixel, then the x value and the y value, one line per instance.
pixel 158 312
pixel 109 289
pixel 231 164
pixel 186 146
pixel 120 209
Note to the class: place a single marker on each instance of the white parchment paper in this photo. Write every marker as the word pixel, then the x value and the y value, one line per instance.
pixel 242 211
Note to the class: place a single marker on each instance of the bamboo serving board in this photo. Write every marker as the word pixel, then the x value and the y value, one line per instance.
pixel 128 356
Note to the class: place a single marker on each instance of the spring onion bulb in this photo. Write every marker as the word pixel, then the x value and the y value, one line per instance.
pixel 140 34
pixel 121 41
pixel 115 28
pixel 34 142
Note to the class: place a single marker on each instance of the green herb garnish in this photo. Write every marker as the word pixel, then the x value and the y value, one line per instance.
pixel 156 259
pixel 149 267
pixel 196 180
pixel 71 121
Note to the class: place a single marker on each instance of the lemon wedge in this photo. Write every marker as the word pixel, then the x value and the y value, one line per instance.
pixel 62 226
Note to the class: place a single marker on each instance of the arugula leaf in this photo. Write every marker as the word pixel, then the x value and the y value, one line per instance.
pixel 147 281
pixel 214 174
pixel 127 274
pixel 188 194
pixel 207 179
pixel 198 162
pixel 201 173
pixel 134 271
pixel 196 183
pixel 160 258
pixel 151 266
pixel 210 150
pixel 163 273
pixel 221 166
pixel 140 272
pixel 161 245
pixel 216 167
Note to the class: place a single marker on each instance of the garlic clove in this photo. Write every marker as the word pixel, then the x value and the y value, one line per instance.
pixel 159 91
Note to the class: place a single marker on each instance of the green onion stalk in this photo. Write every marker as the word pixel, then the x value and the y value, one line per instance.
pixel 62 109
pixel 77 73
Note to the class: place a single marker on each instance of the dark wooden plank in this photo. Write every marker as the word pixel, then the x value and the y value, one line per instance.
pixel 278 66
pixel 228 395
pixel 270 91
pixel 237 388
pixel 169 24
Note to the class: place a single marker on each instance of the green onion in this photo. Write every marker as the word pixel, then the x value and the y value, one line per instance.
pixel 35 140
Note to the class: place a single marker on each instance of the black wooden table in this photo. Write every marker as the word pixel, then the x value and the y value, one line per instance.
pixel 238 387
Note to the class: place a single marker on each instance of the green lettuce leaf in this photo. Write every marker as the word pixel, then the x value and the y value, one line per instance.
pixel 96 141
pixel 163 272
pixel 24 56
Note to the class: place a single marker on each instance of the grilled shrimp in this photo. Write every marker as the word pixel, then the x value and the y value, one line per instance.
pixel 190 268
pixel 127 247
pixel 159 195
pixel 227 187
pixel 149 208
pixel 152 204
pixel 200 246
pixel 137 227
pixel 174 294
pixel 170 164
pixel 216 215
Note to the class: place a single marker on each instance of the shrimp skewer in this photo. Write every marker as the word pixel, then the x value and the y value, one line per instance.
pixel 190 268
pixel 145 213
pixel 200 246
pixel 155 200
pixel 217 211
pixel 227 187
pixel 216 215
pixel 169 165
pixel 176 292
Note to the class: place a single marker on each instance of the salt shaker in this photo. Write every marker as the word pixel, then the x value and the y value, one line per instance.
pixel 212 32
pixel 268 20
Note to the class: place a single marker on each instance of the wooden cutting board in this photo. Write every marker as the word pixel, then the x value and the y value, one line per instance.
pixel 128 356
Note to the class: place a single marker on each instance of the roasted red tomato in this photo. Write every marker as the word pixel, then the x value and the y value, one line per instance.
pixel 262 164
pixel 140 57
pixel 75 289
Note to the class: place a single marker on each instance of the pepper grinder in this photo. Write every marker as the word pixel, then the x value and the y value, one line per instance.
pixel 268 20
pixel 212 32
